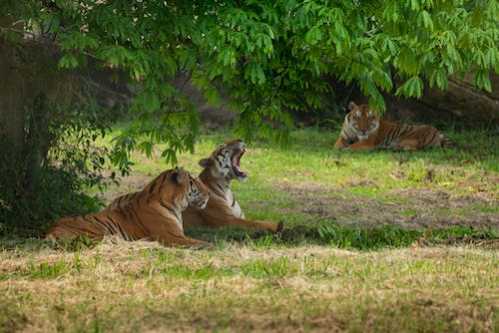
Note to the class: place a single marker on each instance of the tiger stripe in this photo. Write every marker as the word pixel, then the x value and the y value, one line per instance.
pixel 153 213
pixel 363 129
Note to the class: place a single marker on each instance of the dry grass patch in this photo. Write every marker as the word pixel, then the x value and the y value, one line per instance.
pixel 142 286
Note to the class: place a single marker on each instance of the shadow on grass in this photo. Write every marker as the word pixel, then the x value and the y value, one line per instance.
pixel 356 238
pixel 334 235
pixel 34 245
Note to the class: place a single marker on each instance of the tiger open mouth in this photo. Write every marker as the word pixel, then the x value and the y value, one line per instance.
pixel 236 163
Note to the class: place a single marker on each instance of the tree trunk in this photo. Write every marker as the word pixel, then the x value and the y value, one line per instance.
pixel 465 101
pixel 36 142
pixel 12 93
pixel 29 84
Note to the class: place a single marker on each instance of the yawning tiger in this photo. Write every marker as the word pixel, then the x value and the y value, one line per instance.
pixel 219 169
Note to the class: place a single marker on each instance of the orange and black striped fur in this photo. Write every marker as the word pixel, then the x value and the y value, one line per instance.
pixel 219 169
pixel 363 129
pixel 155 213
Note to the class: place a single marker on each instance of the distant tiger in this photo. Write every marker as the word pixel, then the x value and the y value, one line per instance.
pixel 363 129
pixel 155 213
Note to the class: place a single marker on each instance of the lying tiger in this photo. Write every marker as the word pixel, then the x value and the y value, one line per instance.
pixel 155 213
pixel 219 169
pixel 363 129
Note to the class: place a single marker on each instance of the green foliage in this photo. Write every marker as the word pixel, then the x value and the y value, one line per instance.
pixel 269 57
pixel 75 132
pixel 74 161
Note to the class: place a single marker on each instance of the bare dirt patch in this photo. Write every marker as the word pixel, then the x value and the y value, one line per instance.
pixel 410 208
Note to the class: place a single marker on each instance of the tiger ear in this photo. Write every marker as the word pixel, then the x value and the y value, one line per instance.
pixel 179 175
pixel 351 105
pixel 205 162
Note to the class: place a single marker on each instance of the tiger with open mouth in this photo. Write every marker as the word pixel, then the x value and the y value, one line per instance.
pixel 219 169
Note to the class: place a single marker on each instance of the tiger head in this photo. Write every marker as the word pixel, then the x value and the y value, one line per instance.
pixel 192 190
pixel 225 161
pixel 361 121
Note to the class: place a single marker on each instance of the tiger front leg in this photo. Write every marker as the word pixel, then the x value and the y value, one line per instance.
pixel 256 225
pixel 363 145
pixel 341 143
pixel 170 233
pixel 184 241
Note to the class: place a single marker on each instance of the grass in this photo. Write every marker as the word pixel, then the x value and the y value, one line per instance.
pixel 122 287
pixel 374 242
pixel 309 182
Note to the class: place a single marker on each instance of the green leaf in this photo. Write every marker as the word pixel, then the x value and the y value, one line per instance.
pixel 313 36
pixel 411 88
pixel 439 78
pixel 68 61
pixel 425 20
pixel 255 73
pixel 414 5
pixel 482 80
pixel 148 101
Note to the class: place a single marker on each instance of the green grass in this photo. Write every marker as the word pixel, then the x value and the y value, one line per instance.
pixel 309 182
pixel 373 242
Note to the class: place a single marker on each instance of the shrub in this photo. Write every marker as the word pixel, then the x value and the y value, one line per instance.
pixel 34 192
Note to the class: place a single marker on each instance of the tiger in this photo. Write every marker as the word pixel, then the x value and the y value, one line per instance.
pixel 219 169
pixel 363 130
pixel 155 213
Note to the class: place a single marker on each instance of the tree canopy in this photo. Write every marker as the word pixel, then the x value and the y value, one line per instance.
pixel 269 57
